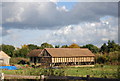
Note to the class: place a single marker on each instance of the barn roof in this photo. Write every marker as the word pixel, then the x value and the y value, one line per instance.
pixel 3 55
pixel 69 52
pixel 35 53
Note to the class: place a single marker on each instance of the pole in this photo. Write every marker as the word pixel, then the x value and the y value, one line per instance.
pixel 1 74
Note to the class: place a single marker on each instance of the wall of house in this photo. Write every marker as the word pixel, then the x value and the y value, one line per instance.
pixel 1 62
pixel 4 61
pixel 72 59
pixel 40 60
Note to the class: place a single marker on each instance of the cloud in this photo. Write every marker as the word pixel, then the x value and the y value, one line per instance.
pixel 94 33
pixel 5 32
pixel 48 16
pixel 63 8
pixel 84 23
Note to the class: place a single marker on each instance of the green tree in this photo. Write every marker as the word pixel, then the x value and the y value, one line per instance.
pixel 57 46
pixel 114 56
pixel 101 59
pixel 8 49
pixel 22 52
pixel 0 47
pixel 104 48
pixel 46 45
pixel 112 46
pixel 92 48
pixel 16 53
pixel 32 46
pixel 64 46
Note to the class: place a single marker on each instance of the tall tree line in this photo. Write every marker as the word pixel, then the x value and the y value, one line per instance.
pixel 107 52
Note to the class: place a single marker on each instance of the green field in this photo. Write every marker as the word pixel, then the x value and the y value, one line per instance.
pixel 106 71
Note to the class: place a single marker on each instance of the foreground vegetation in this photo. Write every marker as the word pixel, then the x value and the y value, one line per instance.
pixel 103 71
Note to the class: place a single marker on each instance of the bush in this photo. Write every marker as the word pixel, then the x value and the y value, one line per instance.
pixel 23 62
pixel 52 72
pixel 17 59
pixel 101 59
pixel 108 58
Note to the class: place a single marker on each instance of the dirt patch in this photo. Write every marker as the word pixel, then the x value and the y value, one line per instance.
pixel 20 77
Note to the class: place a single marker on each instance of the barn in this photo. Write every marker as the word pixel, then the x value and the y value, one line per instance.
pixel 62 56
pixel 4 59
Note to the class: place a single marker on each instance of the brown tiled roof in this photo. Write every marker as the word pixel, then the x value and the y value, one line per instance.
pixel 35 53
pixel 3 55
pixel 69 52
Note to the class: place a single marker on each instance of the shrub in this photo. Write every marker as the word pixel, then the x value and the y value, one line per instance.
pixel 18 59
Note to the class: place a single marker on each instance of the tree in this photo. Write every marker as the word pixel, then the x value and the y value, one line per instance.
pixel 0 47
pixel 114 57
pixel 16 53
pixel 92 48
pixel 8 49
pixel 57 46
pixel 46 45
pixel 22 52
pixel 74 46
pixel 101 59
pixel 32 46
pixel 112 46
pixel 64 46
pixel 104 48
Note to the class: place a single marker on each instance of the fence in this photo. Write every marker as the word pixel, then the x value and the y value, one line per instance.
pixel 59 78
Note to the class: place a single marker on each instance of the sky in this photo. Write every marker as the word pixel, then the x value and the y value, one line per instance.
pixel 58 23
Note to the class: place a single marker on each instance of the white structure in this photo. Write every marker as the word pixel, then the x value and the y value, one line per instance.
pixel 4 58
pixel 1 76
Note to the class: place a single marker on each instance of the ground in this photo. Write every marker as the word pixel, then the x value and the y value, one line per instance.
pixel 103 71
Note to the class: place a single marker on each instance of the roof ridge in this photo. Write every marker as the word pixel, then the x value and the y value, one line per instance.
pixel 4 54
pixel 65 48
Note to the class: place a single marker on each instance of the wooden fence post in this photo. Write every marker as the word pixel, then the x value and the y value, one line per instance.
pixel 1 76
pixel 42 77
pixel 88 77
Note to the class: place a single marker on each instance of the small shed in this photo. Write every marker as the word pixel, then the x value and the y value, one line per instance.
pixel 4 58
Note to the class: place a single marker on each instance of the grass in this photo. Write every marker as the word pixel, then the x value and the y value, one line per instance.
pixel 107 71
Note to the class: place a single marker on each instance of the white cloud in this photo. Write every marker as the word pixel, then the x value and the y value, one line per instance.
pixel 17 17
pixel 48 15
pixel 83 24
pixel 92 24
pixel 105 39
pixel 54 1
pixel 84 33
pixel 63 8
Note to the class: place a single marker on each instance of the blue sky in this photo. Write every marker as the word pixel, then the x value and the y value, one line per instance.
pixel 59 23
pixel 68 5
